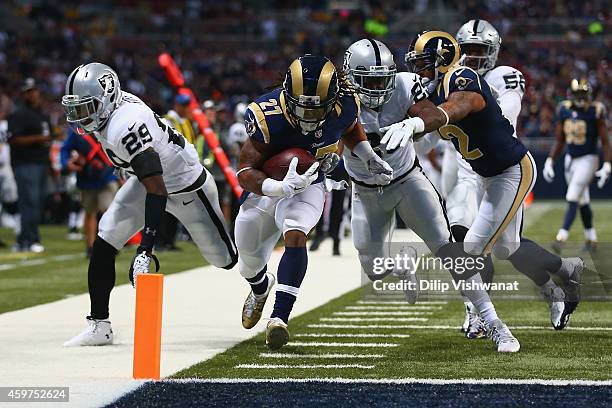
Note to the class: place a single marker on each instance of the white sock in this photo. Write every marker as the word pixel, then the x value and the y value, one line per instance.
pixel 481 300
pixel 562 235
pixel 590 234
pixel 487 312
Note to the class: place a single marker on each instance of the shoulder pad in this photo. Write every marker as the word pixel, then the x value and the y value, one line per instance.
pixel 461 78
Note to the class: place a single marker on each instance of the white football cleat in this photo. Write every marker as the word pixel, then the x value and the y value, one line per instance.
pixel 555 298
pixel 466 321
pixel 476 327
pixel 97 333
pixel 502 337
pixel 254 304
pixel 277 334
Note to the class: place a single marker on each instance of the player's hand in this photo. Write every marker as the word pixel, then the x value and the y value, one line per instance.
pixel 140 264
pixel 603 174
pixel 399 134
pixel 548 172
pixel 380 170
pixel 295 183
pixel 331 185
pixel 329 163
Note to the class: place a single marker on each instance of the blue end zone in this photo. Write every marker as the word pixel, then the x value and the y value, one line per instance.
pixel 315 394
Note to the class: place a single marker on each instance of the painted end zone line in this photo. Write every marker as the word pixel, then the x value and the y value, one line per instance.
pixel 304 366
pixel 338 344
pixel 429 381
pixel 432 327
pixel 402 307
pixel 363 335
pixel 373 319
pixel 292 355
pixel 398 302
pixel 382 313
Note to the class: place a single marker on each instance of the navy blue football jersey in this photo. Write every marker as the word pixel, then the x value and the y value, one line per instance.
pixel 579 126
pixel 267 121
pixel 485 139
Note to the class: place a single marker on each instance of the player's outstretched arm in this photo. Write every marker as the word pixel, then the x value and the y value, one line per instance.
pixel 147 167
pixel 355 139
pixel 458 106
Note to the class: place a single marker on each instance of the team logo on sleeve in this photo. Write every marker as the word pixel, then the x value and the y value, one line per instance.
pixel 250 126
pixel 462 82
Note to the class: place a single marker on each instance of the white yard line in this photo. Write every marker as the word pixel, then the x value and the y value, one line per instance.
pixel 354 335
pixel 429 381
pixel 373 319
pixel 40 261
pixel 387 313
pixel 201 319
pixel 303 366
pixel 399 302
pixel 407 307
pixel 338 344
pixel 328 355
pixel 441 327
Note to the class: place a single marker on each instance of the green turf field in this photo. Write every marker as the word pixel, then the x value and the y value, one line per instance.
pixel 339 340
pixel 61 270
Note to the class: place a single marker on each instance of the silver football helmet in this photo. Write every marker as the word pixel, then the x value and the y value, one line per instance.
pixel 92 94
pixel 479 33
pixel 370 68
pixel 239 111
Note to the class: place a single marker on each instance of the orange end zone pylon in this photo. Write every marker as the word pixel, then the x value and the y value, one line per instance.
pixel 148 325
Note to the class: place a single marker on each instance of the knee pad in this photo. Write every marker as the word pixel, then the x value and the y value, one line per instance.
pixel 233 262
pixel 249 266
pixel 504 250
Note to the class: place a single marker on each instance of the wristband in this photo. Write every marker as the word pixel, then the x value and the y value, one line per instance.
pixel 445 114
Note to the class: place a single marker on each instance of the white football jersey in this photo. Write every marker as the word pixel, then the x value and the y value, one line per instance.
pixel 408 91
pixel 510 86
pixel 133 127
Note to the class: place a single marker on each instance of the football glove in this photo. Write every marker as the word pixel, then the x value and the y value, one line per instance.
pixel 399 134
pixel 331 185
pixel 293 183
pixel 329 163
pixel 140 264
pixel 380 170
pixel 548 172
pixel 603 174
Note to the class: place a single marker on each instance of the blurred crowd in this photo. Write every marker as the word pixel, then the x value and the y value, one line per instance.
pixel 231 51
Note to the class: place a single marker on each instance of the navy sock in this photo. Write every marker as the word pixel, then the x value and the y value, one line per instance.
pixel 570 215
pixel 259 282
pixel 291 272
pixel 587 216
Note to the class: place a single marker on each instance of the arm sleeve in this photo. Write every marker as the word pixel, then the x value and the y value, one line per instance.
pixel 147 164
pixel 424 145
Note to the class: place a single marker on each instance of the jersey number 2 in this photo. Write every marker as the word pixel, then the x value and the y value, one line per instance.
pixel 451 131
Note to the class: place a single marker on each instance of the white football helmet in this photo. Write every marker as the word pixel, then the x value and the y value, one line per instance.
pixel 92 94
pixel 239 111
pixel 370 68
pixel 479 33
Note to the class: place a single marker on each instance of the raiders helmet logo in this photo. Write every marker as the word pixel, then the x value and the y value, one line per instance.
pixel 107 83
pixel 461 83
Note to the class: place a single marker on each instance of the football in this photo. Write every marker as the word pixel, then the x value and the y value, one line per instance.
pixel 276 166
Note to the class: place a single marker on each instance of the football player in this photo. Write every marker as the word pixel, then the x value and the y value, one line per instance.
pixel 580 123
pixel 167 175
pixel 467 113
pixel 314 110
pixel 387 97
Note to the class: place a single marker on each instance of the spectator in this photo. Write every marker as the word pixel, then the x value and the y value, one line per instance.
pixel 30 135
pixel 95 179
